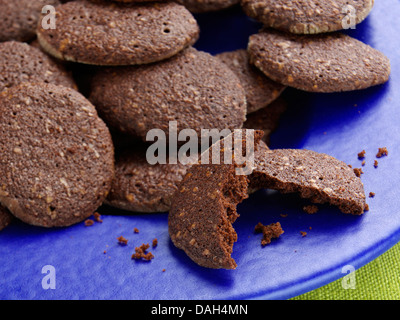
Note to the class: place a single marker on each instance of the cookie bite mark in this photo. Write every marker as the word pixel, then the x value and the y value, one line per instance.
pixel 203 210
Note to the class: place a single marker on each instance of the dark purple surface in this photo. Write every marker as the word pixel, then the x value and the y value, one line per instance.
pixel 338 124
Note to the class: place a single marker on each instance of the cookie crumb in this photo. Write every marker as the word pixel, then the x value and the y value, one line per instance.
pixel 141 254
pixel 310 209
pixel 89 222
pixel 372 194
pixel 272 231
pixel 155 242
pixel 358 172
pixel 366 208
pixel 361 155
pixel 136 230
pixel 376 163
pixel 122 241
pixel 163 270
pixel 284 215
pixel 97 217
pixel 382 152
pixel 363 163
pixel 303 233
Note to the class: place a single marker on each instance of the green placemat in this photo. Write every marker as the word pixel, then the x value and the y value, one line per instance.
pixel 378 280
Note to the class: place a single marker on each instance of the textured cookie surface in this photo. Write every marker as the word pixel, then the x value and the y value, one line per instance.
pixel 260 90
pixel 308 16
pixel 19 18
pixel 5 217
pixel 111 33
pixel 199 6
pixel 57 157
pixel 318 63
pixel 193 88
pixel 20 62
pixel 315 176
pixel 141 187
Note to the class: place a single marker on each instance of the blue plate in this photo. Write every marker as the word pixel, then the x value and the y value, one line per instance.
pixel 88 263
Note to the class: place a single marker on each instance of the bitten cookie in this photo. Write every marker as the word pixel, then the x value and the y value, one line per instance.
pixel 5 217
pixel 310 16
pixel 19 18
pixel 203 210
pixel 110 33
pixel 57 157
pixel 315 176
pixel 260 90
pixel 141 187
pixel 20 62
pixel 318 63
pixel 192 88
pixel 200 6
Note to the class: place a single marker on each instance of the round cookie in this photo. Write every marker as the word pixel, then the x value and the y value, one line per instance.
pixel 260 90
pixel 200 6
pixel 57 157
pixel 20 62
pixel 330 62
pixel 106 33
pixel 5 217
pixel 308 16
pixel 19 18
pixel 141 187
pixel 192 88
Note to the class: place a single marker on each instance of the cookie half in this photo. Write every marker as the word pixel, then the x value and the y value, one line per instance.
pixel 331 62
pixel 260 90
pixel 57 157
pixel 21 62
pixel 201 6
pixel 193 88
pixel 139 186
pixel 19 18
pixel 315 176
pixel 308 17
pixel 204 209
pixel 109 33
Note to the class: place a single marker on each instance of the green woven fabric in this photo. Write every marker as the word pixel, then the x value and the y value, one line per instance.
pixel 378 280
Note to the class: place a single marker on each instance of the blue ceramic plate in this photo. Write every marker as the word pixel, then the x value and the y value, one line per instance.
pixel 90 264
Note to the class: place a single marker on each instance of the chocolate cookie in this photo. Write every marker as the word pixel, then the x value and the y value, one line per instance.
pixel 57 157
pixel 5 217
pixel 19 18
pixel 105 33
pixel 318 63
pixel 20 62
pixel 193 88
pixel 315 176
pixel 141 187
pixel 267 118
pixel 260 90
pixel 203 211
pixel 308 17
pixel 200 6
